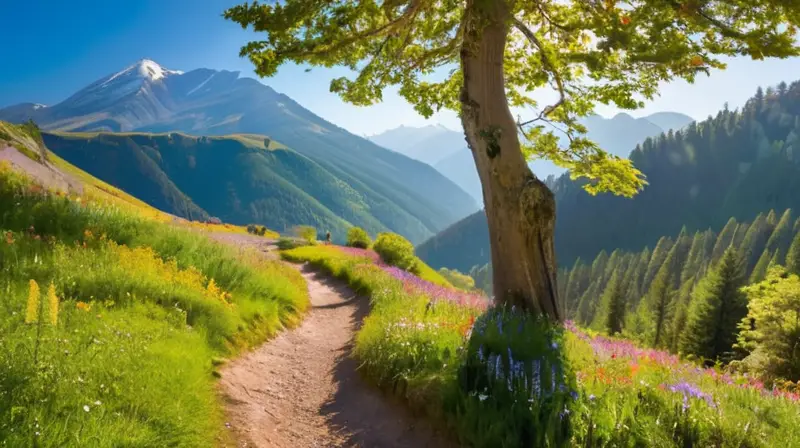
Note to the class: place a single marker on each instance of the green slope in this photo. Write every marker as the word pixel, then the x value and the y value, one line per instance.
pixel 234 178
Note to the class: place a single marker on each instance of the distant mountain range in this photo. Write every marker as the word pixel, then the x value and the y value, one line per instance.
pixel 377 188
pixel 428 144
pixel 446 150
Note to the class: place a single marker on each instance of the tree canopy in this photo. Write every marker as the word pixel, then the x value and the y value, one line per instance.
pixel 587 52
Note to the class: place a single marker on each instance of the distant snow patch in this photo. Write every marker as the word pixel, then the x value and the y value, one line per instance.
pixel 38 106
pixel 201 84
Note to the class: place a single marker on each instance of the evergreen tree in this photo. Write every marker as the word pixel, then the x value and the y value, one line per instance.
pixel 677 255
pixel 574 287
pixel 659 300
pixel 760 271
pixel 659 255
pixel 752 246
pixel 614 305
pixel 740 234
pixel 793 257
pixel 588 303
pixel 692 259
pixel 723 240
pixel 682 305
pixel 599 265
pixel 781 237
pixel 718 305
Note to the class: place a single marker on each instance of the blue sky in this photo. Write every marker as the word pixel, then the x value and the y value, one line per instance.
pixel 51 51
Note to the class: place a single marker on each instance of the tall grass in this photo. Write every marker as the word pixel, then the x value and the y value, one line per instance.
pixel 145 313
pixel 501 378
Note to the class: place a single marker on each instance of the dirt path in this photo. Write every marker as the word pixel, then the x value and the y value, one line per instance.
pixel 302 389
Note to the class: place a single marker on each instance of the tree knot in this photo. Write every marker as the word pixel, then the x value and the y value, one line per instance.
pixel 491 135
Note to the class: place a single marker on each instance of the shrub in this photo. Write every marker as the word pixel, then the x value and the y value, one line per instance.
pixel 307 233
pixel 291 243
pixel 255 229
pixel 359 238
pixel 213 220
pixel 395 250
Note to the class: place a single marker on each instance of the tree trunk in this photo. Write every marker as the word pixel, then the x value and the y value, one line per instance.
pixel 519 207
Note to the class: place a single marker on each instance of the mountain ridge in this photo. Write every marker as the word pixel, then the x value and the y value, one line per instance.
pixel 205 102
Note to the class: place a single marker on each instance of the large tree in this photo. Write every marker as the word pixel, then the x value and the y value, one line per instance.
pixel 498 53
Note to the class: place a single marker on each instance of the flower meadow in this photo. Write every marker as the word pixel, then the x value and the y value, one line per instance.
pixel 112 325
pixel 500 377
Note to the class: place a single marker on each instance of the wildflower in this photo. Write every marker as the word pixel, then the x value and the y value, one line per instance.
pixel 83 306
pixel 86 408
pixel 9 238
pixel 97 403
pixel 52 304
pixel 482 397
pixel 591 397
pixel 32 311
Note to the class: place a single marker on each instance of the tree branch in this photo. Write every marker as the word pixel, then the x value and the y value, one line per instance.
pixel 403 19
pixel 531 36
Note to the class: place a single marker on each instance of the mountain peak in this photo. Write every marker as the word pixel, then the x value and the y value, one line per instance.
pixel 144 69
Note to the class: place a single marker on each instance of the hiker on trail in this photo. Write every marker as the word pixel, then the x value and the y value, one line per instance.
pixel 328 238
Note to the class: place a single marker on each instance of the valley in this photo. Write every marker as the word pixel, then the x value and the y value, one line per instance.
pixel 376 188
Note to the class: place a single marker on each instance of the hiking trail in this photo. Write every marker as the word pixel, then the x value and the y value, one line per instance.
pixel 302 389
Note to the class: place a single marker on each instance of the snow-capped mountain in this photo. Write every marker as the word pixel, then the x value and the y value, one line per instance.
pixel 146 97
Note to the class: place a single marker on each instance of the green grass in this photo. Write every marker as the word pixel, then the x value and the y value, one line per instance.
pixel 569 388
pixel 145 312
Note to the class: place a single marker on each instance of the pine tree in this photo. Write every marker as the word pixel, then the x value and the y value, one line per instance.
pixel 682 305
pixel 599 265
pixel 793 257
pixel 781 237
pixel 574 288
pixel 659 298
pixel 760 271
pixel 718 305
pixel 723 240
pixel 678 254
pixel 752 245
pixel 692 260
pixel 657 258
pixel 614 300
pixel 588 304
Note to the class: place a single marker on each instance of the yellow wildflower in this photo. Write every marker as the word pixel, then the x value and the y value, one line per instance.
pixel 32 313
pixel 83 306
pixel 52 302
pixel 212 288
pixel 87 234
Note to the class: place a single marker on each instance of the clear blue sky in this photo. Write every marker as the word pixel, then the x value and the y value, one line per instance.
pixel 52 49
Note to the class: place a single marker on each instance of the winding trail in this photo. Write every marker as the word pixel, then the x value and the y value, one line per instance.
pixel 301 389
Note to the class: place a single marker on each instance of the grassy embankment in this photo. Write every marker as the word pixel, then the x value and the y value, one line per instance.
pixel 112 323
pixel 500 378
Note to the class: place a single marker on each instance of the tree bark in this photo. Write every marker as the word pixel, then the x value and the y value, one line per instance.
pixel 520 209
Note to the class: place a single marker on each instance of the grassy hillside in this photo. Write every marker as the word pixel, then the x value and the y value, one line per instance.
pixel 234 178
pixel 112 323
